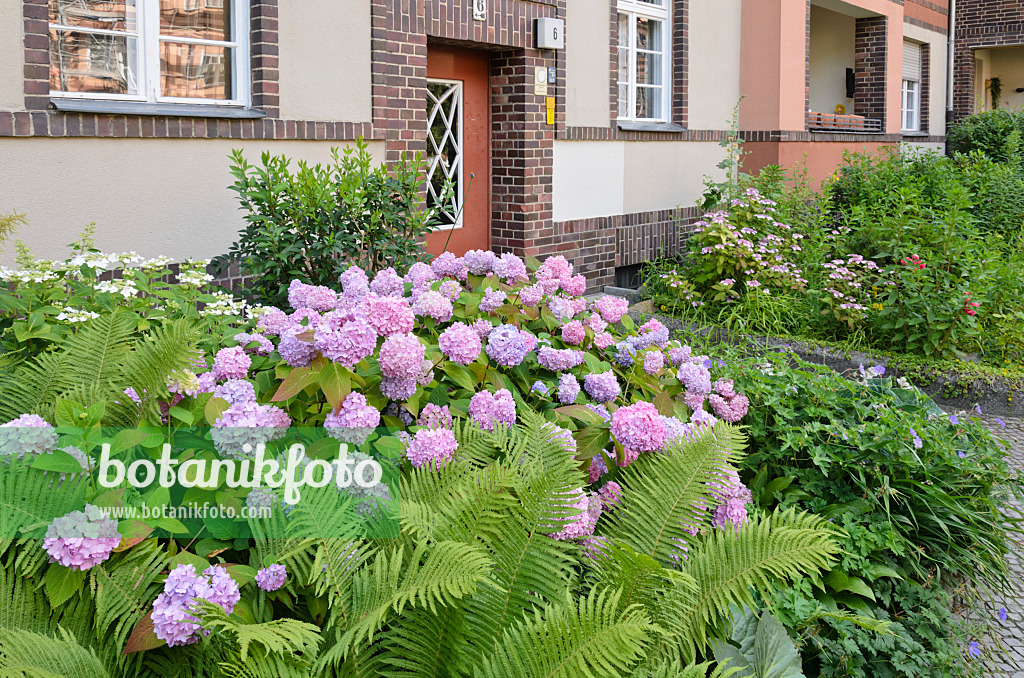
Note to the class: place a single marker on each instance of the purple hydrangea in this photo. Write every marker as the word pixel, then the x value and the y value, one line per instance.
pixel 676 431
pixel 173 610
pixel 611 494
pixel 539 387
pixel 272 577
pixel 730 497
pixel 583 522
pixel 433 305
pixel 732 407
pixel 297 291
pixel 273 321
pixel 554 268
pixel 493 300
pixel 460 343
pixel 434 416
pixel 603 387
pixel 401 356
pixel 450 290
pixel 562 308
pixel 559 436
pixel 568 389
pixel 488 409
pixel 83 539
pixel 355 285
pixel 482 327
pixel 28 434
pixel 263 345
pixel 507 346
pixel 696 378
pixel 397 388
pixel 480 262
pixel 354 421
pixel 389 315
pixel 625 354
pixel 236 391
pixel 639 427
pixel 295 351
pixel 388 283
pixel 419 274
pixel 532 295
pixel 347 345
pixel 678 355
pixel 573 333
pixel 597 468
pixel 248 423
pixel 654 361
pixel 600 410
pixel 559 360
pixel 231 363
pixel 431 447
pixel 447 265
pixel 510 268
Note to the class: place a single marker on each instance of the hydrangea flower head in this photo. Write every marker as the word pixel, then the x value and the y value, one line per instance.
pixel 231 363
pixel 555 267
pixel 248 423
pixel 263 345
pixel 480 262
pixel 575 285
pixel 460 343
pixel 612 308
pixel 678 355
pixel 173 610
pixel 531 296
pixel 397 388
pixel 695 377
pixel 611 494
pixel 433 305
pixel 731 497
pixel 431 447
pixel 419 274
pixel 389 315
pixel 482 327
pixel 272 577
pixel 493 300
pixel 603 387
pixel 28 434
pixel 387 283
pixel 236 391
pixel 625 354
pixel 295 351
pixel 450 290
pixel 562 308
pixel 582 524
pixel 297 291
pixel 354 421
pixel 732 408
pixel 83 539
pixel 321 299
pixel 510 268
pixel 639 427
pixel 401 356
pixel 447 265
pixel 568 389
pixel 273 321
pixel 573 333
pixel 347 345
pixel 434 416
pixel 603 340
pixel 559 360
pixel 506 345
pixel 654 361
pixel 488 409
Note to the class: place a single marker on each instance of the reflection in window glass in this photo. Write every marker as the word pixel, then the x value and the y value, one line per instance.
pixel 199 19
pixel 90 62
pixel 101 14
pixel 195 71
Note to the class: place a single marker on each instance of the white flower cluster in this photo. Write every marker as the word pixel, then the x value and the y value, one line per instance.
pixel 75 315
pixel 126 288
pixel 196 278
pixel 224 304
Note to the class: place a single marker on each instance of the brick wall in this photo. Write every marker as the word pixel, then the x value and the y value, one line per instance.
pixel 870 50
pixel 981 23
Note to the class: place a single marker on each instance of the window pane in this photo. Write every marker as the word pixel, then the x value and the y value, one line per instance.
pixel 659 3
pixel 111 15
pixel 648 102
pixel 195 71
pixel 623 65
pixel 648 34
pixel 88 62
pixel 648 69
pixel 206 19
pixel 624 30
pixel 623 111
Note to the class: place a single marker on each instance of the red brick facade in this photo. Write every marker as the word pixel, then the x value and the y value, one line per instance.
pixel 870 51
pixel 981 24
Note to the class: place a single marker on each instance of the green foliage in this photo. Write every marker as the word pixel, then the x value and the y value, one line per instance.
pixel 761 647
pixel 311 223
pixel 9 225
pixel 995 133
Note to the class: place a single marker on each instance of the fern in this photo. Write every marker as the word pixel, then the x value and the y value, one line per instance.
pixel 24 654
pixel 295 641
pixel 30 499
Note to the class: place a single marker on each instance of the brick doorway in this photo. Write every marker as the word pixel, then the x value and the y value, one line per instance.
pixel 458 147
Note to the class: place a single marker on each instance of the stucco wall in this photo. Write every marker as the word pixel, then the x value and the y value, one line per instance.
pixel 664 174
pixel 12 57
pixel 1007 64
pixel 155 196
pixel 588 179
pixel 325 60
pixel 937 50
pixel 832 52
pixel 587 65
pixel 714 62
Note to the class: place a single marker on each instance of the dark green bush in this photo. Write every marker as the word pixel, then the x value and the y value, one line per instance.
pixel 997 134
pixel 312 223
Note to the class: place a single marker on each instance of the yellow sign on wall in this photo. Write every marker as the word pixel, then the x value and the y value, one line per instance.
pixel 551 110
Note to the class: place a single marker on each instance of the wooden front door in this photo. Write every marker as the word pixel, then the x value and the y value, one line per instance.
pixel 459 148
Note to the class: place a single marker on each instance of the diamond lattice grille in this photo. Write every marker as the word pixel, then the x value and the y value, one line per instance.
pixel 444 149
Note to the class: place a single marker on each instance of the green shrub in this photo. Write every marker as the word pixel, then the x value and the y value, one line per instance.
pixel 313 222
pixel 997 134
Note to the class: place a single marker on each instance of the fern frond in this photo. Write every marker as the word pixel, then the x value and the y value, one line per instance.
pixel 676 669
pixel 285 642
pixel 587 637
pixel 32 387
pixel 664 494
pixel 30 499
pixel 24 654
pixel 426 644
pixel 768 550
pixel 24 605
pixel 166 350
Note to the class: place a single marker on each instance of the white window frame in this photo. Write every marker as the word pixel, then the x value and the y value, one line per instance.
pixel 459 195
pixel 146 56
pixel 656 12
pixel 911 106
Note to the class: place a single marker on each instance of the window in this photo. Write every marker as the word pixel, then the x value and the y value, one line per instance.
pixel 911 87
pixel 167 51
pixel 644 60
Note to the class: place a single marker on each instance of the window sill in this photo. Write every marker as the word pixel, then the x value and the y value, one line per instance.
pixel 915 134
pixel 145 108
pixel 627 126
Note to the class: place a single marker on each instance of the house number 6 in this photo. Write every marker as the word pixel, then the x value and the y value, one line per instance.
pixel 480 10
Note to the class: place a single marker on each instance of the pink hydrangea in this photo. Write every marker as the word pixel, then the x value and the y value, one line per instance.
pixel 236 391
pixel 83 539
pixel 488 409
pixel 696 378
pixel 603 340
pixel 482 327
pixel 695 401
pixel 295 351
pixel 263 345
pixel 231 363
pixel 732 409
pixel 273 321
pixel 582 517
pixel 397 388
pixel 611 494
pixel 639 427
pixel 596 323
pixel 677 356
pixel 432 448
pixel 568 389
pixel 174 609
pixel 555 267
pixel 205 383
pixel 433 305
pixel 654 361
pixel 480 262
pixel 597 468
pixel 354 421
pixel 506 346
pixel 434 416
pixel 297 291
pixel 549 285
pixel 531 296
pixel 272 577
pixel 603 387
pixel 321 299
pixel 731 498
pixel 389 315
pixel 493 300
pixel 447 265
pixel 531 341
pixel 460 343
pixel 311 318
pixel 348 345
pixel 450 290
pixel 612 308
pixel 573 333
pixel 559 360
pixel 510 268
pixel 401 356
pixel 426 374
pixel 387 283
pixel 562 308
pixel 355 284
pixel 574 286
pixel 28 434
pixel 419 275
